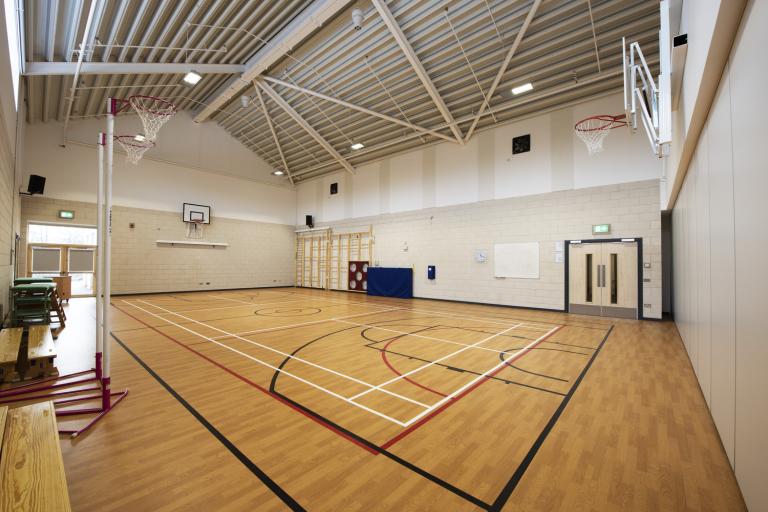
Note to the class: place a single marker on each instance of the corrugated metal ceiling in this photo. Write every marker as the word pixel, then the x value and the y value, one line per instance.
pixel 461 44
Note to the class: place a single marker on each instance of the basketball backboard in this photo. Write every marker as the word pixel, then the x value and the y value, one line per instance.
pixel 648 99
pixel 196 213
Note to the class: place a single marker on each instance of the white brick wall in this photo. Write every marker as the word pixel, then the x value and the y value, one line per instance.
pixel 448 237
pixel 259 254
pixel 7 196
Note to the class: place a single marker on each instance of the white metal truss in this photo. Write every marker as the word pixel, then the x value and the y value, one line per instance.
pixel 305 125
pixel 126 68
pixel 300 28
pixel 358 108
pixel 418 67
pixel 274 133
pixel 504 65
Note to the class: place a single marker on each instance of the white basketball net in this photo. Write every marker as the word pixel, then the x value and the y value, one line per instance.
pixel 153 112
pixel 133 148
pixel 195 230
pixel 594 130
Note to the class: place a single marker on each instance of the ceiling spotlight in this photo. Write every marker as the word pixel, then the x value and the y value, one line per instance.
pixel 245 101
pixel 522 88
pixel 192 77
pixel 357 145
pixel 277 173
pixel 139 137
pixel 357 18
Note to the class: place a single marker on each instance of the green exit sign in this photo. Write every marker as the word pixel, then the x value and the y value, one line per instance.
pixel 601 229
pixel 66 214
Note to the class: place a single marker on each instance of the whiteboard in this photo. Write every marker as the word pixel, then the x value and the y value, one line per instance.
pixel 518 260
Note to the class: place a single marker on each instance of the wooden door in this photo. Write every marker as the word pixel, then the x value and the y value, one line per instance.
pixel 603 279
pixel 584 279
pixel 619 260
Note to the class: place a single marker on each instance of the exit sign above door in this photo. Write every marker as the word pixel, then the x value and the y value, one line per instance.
pixel 601 229
pixel 66 214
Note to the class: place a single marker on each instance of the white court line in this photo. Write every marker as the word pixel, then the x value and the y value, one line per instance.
pixel 301 324
pixel 285 354
pixel 422 336
pixel 451 314
pixel 242 306
pixel 406 374
pixel 518 354
pixel 336 395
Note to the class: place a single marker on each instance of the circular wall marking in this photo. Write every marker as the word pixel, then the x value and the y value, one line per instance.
pixel 283 312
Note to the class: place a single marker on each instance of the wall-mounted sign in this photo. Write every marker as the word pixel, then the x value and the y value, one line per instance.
pixel 66 214
pixel 601 229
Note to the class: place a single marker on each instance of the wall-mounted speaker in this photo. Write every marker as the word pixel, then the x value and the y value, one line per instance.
pixel 36 184
pixel 309 221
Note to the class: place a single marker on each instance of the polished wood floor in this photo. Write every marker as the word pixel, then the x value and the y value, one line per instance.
pixel 278 398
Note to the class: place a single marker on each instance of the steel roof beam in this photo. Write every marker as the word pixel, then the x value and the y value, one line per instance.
pixel 418 67
pixel 294 33
pixel 359 108
pixel 272 129
pixel 503 68
pixel 127 68
pixel 305 125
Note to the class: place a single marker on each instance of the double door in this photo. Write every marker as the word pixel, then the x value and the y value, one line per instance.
pixel 603 279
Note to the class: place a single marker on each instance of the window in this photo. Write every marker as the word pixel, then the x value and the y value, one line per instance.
pixel 12 31
pixel 57 234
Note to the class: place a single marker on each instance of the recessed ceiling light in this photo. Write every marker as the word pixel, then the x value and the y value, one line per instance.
pixel 139 137
pixel 522 88
pixel 277 173
pixel 192 77
pixel 357 145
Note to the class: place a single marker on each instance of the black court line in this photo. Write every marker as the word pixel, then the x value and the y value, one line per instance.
pixel 429 476
pixel 502 498
pixel 248 463
pixel 497 504
pixel 453 368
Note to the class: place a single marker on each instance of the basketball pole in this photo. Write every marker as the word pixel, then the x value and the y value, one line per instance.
pixel 103 316
pixel 100 260
pixel 105 371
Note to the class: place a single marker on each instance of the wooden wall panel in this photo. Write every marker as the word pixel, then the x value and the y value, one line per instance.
pixel 750 184
pixel 722 260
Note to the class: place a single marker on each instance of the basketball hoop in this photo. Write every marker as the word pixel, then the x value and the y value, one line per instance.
pixel 153 112
pixel 133 148
pixel 195 229
pixel 593 130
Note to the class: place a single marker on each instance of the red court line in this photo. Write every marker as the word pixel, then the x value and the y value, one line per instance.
pixel 386 362
pixel 461 395
pixel 257 386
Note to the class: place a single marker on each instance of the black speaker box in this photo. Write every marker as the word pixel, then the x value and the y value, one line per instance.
pixel 36 184
pixel 309 221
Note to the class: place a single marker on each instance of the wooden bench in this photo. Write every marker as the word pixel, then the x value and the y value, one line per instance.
pixel 10 341
pixel 31 468
pixel 41 352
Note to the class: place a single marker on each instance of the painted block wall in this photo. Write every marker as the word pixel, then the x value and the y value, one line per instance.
pixel 448 237
pixel 720 243
pixel 9 157
pixel 259 254
pixel 239 188
pixel 448 174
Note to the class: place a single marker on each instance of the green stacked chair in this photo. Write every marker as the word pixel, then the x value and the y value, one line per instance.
pixel 32 302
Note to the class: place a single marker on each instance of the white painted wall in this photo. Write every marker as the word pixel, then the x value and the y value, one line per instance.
pixel 199 164
pixel 720 245
pixel 447 200
pixel 9 159
pixel 448 174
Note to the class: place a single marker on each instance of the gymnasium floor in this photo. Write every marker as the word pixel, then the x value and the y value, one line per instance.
pixel 274 398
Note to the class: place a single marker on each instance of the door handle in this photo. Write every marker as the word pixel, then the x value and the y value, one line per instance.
pixel 602 276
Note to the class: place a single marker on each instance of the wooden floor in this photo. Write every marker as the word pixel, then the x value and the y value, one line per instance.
pixel 277 398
